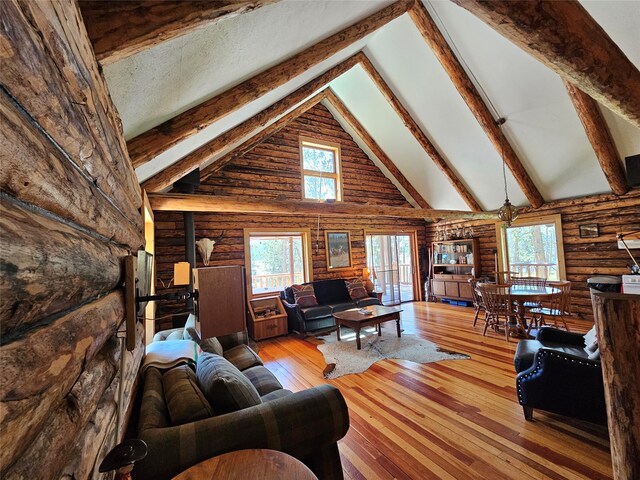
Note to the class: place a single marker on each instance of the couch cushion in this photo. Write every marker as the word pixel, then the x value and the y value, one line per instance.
pixel 341 307
pixel 319 311
pixel 331 291
pixel 224 386
pixel 275 395
pixel 356 289
pixel 185 402
pixel 261 378
pixel 304 295
pixel 242 357
pixel 365 302
pixel 211 345
pixel 527 349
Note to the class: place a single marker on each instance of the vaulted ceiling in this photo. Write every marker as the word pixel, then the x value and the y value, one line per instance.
pixel 404 103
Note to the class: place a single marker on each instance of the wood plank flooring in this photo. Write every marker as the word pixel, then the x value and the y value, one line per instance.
pixel 457 419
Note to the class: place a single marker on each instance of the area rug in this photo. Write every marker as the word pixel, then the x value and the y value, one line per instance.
pixel 343 358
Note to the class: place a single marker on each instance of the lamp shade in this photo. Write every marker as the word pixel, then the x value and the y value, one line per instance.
pixel 181 273
pixel 508 213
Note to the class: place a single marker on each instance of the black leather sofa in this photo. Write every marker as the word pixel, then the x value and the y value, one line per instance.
pixel 555 374
pixel 332 296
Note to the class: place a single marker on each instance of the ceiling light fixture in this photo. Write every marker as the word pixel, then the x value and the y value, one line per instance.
pixel 507 213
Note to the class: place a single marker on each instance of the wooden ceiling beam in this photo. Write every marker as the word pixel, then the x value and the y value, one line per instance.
pixel 600 137
pixel 148 145
pixel 120 29
pixel 262 135
pixel 206 152
pixel 419 135
pixel 375 148
pixel 178 202
pixel 472 98
pixel 564 37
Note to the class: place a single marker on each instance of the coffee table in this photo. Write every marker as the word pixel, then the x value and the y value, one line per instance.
pixel 356 320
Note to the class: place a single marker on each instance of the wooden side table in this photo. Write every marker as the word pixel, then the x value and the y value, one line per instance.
pixel 243 464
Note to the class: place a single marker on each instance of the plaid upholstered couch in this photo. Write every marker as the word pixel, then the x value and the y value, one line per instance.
pixel 305 424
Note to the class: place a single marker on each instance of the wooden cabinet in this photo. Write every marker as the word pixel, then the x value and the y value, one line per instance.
pixel 221 303
pixel 454 262
pixel 268 318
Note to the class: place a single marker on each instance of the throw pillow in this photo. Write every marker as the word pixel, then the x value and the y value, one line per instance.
pixel 183 397
pixel 211 345
pixel 226 388
pixel 305 295
pixel 356 289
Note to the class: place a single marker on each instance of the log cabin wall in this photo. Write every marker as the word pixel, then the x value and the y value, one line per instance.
pixel 70 201
pixel 272 170
pixel 584 257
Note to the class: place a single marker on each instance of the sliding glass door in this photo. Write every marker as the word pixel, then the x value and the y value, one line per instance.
pixel 391 260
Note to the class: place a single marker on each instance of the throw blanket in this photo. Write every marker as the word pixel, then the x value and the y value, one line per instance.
pixel 169 353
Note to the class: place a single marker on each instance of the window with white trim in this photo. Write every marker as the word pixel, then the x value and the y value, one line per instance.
pixel 320 161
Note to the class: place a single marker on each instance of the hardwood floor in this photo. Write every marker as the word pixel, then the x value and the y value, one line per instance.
pixel 456 419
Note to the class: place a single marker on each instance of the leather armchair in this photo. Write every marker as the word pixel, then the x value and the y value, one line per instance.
pixel 555 374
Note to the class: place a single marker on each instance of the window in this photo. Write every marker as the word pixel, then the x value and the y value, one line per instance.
pixel 532 248
pixel 276 259
pixel 320 170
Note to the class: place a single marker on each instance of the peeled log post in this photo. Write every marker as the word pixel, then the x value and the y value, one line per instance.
pixel 48 267
pixel 617 319
pixel 600 137
pixel 53 356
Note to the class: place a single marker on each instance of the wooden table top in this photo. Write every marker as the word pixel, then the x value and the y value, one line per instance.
pixel 376 311
pixel 245 464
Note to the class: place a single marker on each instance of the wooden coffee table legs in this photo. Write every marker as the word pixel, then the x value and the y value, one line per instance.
pixel 357 325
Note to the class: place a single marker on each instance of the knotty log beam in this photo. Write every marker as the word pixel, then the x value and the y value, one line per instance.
pixel 227 204
pixel 469 93
pixel 53 356
pixel 35 170
pixel 262 135
pixel 148 145
pixel 200 156
pixel 564 37
pixel 120 29
pixel 48 67
pixel 600 137
pixel 617 319
pixel 375 148
pixel 48 267
pixel 419 135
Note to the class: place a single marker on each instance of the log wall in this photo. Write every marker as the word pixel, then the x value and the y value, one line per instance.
pixel 272 170
pixel 584 257
pixel 70 212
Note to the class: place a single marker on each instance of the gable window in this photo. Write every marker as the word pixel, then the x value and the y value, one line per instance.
pixel 320 170
pixel 532 247
pixel 276 259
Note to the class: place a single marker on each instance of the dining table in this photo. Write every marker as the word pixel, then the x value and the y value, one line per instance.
pixel 521 294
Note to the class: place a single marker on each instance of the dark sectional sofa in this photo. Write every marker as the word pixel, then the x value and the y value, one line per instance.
pixel 332 296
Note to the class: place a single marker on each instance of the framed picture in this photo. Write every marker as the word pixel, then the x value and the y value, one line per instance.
pixel 338 246
pixel 589 231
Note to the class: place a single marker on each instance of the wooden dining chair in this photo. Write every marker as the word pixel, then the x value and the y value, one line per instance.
pixel 499 311
pixel 503 278
pixel 556 306
pixel 478 303
pixel 529 281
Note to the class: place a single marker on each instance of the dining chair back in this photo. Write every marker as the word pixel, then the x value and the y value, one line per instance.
pixel 478 303
pixel 556 306
pixel 498 307
pixel 503 278
pixel 529 281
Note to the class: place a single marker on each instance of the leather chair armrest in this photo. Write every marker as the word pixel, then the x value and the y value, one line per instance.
pixel 299 424
pixel 550 334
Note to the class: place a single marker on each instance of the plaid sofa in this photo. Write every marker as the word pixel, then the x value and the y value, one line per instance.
pixel 305 424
